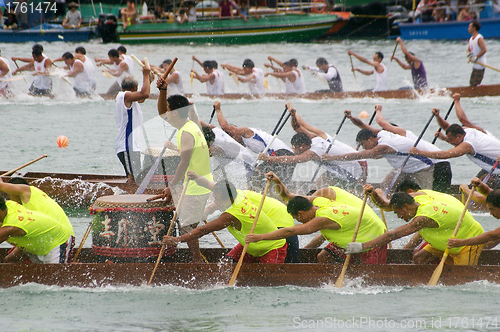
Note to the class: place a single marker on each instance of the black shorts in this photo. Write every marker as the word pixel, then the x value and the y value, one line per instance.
pixel 442 177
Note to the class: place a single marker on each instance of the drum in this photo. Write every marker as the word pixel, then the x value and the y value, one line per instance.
pixel 166 169
pixel 129 226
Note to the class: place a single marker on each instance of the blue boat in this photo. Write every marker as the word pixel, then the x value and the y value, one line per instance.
pixel 490 28
pixel 46 33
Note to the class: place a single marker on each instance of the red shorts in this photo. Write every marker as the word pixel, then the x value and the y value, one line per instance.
pixel 275 256
pixel 377 255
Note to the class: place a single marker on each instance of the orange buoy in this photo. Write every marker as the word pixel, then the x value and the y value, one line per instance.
pixel 364 115
pixel 319 7
pixel 62 141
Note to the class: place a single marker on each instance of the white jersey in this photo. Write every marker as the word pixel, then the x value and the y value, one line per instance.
pixel 380 79
pixel 346 170
pixel 486 149
pixel 475 49
pixel 402 145
pixel 129 61
pixel 218 87
pixel 258 142
pixel 297 86
pixel 83 80
pixel 125 73
pixel 176 88
pixel 42 82
pixel 4 85
pixel 234 150
pixel 129 123
pixel 256 85
pixel 425 146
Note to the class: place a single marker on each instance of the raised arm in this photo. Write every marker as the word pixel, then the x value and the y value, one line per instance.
pixel 232 130
pixel 405 51
pixel 461 114
pixel 143 94
pixel 382 122
pixel 359 123
pixel 281 189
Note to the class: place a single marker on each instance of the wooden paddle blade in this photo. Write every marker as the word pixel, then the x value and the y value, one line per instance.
pixel 160 255
pixel 266 83
pixel 340 280
pixel 439 269
pixel 106 74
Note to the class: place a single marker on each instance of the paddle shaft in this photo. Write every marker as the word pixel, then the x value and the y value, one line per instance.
pixel 340 281
pixel 276 131
pixel 152 170
pixel 445 117
pixel 23 166
pixel 170 228
pixel 369 123
pixel 439 269
pixel 400 169
pixel 393 53
pixel 487 66
pixel 245 248
pixel 216 237
pixel 212 116
pixel 169 69
pixel 487 177
pixel 15 62
pixel 85 236
pixel 353 72
pixel 327 150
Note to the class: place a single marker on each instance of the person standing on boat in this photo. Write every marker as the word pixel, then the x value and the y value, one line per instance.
pixel 238 217
pixel 73 18
pixel 489 239
pixel 310 143
pixel 191 11
pixel 128 113
pixel 121 70
pixel 252 75
pixel 41 64
pixel 394 148
pixel 5 74
pixel 214 79
pixel 256 141
pixel 335 220
pixel 195 156
pixel 44 239
pixel 476 51
pixel 329 73
pixel 379 70
pixel 435 220
pixel 33 199
pixel 85 82
pixel 174 79
pixel 442 168
pixel 418 73
pixel 293 78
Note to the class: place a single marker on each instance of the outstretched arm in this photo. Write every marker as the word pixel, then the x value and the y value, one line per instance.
pixel 300 126
pixel 401 64
pixel 459 150
pixel 382 122
pixel 197 60
pixel 281 189
pixel 359 123
pixel 406 53
pixel 461 114
pixel 232 130
pixel 234 69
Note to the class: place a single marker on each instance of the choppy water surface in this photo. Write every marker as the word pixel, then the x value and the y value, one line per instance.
pixel 30 127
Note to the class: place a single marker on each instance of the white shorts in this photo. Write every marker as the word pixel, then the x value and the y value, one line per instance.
pixel 192 209
pixel 56 255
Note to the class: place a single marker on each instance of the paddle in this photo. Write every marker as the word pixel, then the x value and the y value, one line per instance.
pixel 211 116
pixel 192 74
pixel 23 166
pixel 487 177
pixel 327 150
pixel 153 168
pixel 170 228
pixel 382 214
pixel 170 67
pixel 369 123
pixel 439 269
pixel 146 63
pixel 62 77
pixel 15 62
pixel 400 169
pixel 245 248
pixel 445 117
pixel 216 237
pixel 353 73
pixel 394 52
pixel 84 238
pixel 484 65
pixel 340 280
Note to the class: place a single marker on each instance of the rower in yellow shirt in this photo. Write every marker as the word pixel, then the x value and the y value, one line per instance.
pixel 335 220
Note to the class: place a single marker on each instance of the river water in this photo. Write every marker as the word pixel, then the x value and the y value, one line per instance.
pixel 30 127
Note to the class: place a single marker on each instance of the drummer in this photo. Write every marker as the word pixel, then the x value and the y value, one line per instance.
pixel 335 216
pixel 238 217
pixel 42 238
pixel 195 156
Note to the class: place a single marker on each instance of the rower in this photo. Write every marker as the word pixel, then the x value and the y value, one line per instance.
pixel 41 64
pixel 251 75
pixel 482 149
pixel 42 238
pixel 379 70
pixel 85 82
pixel 121 69
pixel 129 119
pixel 256 141
pixel 442 168
pixel 394 148
pixel 5 74
pixel 174 78
pixel 435 219
pixel 491 238
pixel 291 75
pixel 310 143
pixel 213 78
pixel 335 220
pixel 238 217
pixel 329 73
pixel 195 157
pixel 416 65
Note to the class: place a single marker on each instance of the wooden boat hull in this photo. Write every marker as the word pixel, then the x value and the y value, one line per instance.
pixel 490 28
pixel 267 29
pixel 465 92
pixel 46 35
pixel 88 274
